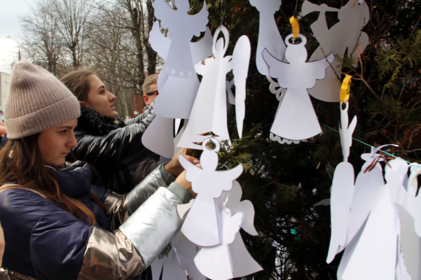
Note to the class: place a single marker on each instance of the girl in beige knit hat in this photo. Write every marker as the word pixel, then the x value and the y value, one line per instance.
pixel 57 225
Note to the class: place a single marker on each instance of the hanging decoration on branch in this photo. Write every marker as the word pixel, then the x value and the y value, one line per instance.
pixel 209 113
pixel 343 180
pixel 296 118
pixel 216 216
pixel 343 37
pixel 269 36
pixel 177 262
pixel 178 79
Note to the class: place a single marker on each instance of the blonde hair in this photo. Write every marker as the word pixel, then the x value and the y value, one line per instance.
pixel 150 80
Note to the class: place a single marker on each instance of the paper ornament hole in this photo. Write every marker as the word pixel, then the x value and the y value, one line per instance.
pixel 210 145
pixel 295 41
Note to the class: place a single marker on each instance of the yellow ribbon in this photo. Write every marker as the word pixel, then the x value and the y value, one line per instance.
pixel 346 84
pixel 295 26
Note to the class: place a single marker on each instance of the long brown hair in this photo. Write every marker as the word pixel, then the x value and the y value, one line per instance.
pixel 21 163
pixel 78 82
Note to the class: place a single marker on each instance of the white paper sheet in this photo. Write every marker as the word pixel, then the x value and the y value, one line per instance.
pixel 269 36
pixel 201 225
pixel 158 137
pixel 410 243
pixel 344 36
pixel 240 66
pixel 296 118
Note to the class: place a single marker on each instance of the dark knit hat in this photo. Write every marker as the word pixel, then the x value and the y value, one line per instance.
pixel 37 101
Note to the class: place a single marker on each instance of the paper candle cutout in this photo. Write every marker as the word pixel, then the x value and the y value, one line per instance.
pixel 177 262
pixel 342 189
pixel 178 72
pixel 209 112
pixel 201 225
pixel 296 118
pixel 346 35
pixel 269 37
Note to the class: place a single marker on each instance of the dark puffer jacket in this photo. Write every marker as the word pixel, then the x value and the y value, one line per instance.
pixel 113 147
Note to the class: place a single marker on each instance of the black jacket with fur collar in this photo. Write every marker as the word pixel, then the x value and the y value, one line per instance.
pixel 113 147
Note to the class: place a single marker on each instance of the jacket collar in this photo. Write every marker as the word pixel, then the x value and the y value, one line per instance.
pixel 93 122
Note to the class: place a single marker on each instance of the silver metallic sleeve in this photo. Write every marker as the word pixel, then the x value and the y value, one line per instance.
pixel 151 227
pixel 145 189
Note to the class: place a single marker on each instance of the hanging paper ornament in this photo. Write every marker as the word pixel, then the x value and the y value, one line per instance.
pixel 177 262
pixel 201 225
pixel 209 113
pixel 178 79
pixel 342 188
pixel 344 36
pixel 269 36
pixel 296 118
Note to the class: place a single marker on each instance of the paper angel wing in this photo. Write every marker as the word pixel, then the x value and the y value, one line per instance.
pixel 161 44
pixel 240 66
pixel 200 20
pixel 163 12
pixel 158 41
pixel 232 225
pixel 228 176
pixel 192 171
pixel 318 68
pixel 276 67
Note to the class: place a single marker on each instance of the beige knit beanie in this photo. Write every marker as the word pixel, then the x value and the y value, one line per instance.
pixel 37 101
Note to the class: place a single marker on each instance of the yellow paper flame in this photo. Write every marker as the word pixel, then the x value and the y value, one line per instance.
pixel 295 26
pixel 346 84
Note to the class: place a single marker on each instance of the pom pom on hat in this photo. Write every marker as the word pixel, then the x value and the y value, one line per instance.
pixel 37 101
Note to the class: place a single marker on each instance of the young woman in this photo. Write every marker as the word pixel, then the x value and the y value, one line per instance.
pixel 57 225
pixel 111 145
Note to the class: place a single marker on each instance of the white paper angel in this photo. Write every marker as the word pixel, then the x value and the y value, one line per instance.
pixel 344 36
pixel 179 260
pixel 296 118
pixel 201 225
pixel 269 36
pixel 371 251
pixel 209 112
pixel 342 188
pixel 178 79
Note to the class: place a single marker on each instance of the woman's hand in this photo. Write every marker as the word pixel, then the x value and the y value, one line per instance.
pixel 2 245
pixel 181 179
pixel 174 167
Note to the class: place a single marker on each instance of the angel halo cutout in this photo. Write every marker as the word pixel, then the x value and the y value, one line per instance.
pixel 201 225
pixel 296 118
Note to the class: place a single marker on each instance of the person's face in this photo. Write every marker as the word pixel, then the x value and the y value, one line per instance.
pixel 55 143
pixel 150 98
pixel 99 98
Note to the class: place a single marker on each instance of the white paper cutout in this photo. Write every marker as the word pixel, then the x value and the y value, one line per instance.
pixel 344 35
pixel 209 112
pixel 216 262
pixel 178 79
pixel 342 189
pixel 201 225
pixel 183 209
pixel 296 118
pixel 158 137
pixel 177 262
pixel 410 244
pixel 269 36
pixel 240 66
pixel 242 262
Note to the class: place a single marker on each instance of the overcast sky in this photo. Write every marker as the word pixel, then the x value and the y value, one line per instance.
pixel 10 11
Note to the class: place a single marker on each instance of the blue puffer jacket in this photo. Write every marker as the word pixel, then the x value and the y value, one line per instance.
pixel 43 240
